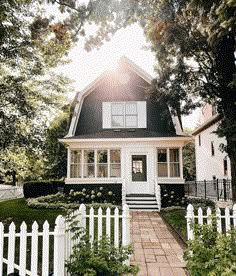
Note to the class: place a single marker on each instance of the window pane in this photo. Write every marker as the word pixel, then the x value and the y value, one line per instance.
pixel 174 155
pixel 117 121
pixel 102 156
pixel 75 171
pixel 117 109
pixel 115 156
pixel 162 155
pixel 131 109
pixel 102 170
pixel 162 170
pixel 75 156
pixel 130 121
pixel 89 170
pixel 88 156
pixel 115 170
pixel 174 170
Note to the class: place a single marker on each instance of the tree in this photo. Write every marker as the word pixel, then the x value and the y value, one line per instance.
pixel 194 42
pixel 31 45
pixel 189 162
pixel 55 153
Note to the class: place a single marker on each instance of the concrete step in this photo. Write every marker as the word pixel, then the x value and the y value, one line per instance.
pixel 140 195
pixel 143 207
pixel 143 202
pixel 140 198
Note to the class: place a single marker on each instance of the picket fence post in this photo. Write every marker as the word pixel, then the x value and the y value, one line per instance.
pixel 116 227
pixel 190 221
pixel 59 246
pixel 34 249
pixel 108 223
pixel 125 225
pixel 23 242
pixel 45 254
pixel 11 248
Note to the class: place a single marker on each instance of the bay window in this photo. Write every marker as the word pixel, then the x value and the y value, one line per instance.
pixel 97 163
pixel 168 162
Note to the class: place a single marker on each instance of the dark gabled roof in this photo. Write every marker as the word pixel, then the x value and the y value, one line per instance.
pixel 125 133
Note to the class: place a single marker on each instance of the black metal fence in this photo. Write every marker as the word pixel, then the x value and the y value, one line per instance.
pixel 219 189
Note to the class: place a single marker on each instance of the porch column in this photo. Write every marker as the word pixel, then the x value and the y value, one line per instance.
pixel 181 161
pixel 68 161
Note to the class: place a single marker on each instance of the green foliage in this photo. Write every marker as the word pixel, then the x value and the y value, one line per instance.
pixel 211 253
pixel 94 193
pixel 91 258
pixel 54 152
pixel 34 189
pixel 189 162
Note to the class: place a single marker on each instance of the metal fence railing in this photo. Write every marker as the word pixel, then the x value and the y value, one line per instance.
pixel 219 189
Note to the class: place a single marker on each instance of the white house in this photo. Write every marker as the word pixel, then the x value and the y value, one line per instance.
pixel 211 162
pixel 119 137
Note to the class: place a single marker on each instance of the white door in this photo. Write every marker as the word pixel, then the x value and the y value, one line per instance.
pixel 138 172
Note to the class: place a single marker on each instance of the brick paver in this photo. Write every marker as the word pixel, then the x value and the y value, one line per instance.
pixel 156 251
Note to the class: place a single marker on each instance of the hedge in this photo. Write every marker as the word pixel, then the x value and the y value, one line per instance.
pixel 34 189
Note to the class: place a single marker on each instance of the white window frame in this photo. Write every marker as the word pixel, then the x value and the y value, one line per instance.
pixel 82 164
pixel 125 115
pixel 168 162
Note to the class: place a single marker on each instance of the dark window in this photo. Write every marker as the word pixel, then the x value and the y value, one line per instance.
pixel 199 139
pixel 225 167
pixel 212 149
pixel 139 168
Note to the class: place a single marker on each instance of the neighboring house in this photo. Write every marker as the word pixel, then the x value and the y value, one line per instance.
pixel 211 162
pixel 118 136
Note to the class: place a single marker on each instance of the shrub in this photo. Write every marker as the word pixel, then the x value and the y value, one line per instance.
pixel 97 257
pixel 211 253
pixel 100 193
pixel 34 189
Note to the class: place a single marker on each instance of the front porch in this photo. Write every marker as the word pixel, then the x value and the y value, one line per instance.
pixel 139 166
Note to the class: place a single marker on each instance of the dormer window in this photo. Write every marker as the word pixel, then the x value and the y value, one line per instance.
pixel 124 115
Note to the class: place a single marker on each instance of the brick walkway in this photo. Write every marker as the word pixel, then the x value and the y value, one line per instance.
pixel 156 251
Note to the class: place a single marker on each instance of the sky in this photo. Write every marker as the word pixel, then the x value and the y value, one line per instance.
pixel 130 42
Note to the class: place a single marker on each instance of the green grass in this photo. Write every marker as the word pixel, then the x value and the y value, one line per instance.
pixel 17 211
pixel 176 218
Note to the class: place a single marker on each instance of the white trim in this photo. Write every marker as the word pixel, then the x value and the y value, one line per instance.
pixel 186 139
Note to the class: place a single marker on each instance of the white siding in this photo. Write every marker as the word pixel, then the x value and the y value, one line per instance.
pixel 207 165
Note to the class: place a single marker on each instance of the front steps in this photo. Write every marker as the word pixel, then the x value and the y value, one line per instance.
pixel 144 202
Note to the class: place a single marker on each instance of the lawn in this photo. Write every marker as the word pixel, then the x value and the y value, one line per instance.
pixel 17 211
pixel 175 217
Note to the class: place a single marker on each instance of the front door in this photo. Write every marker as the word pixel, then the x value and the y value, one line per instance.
pixel 138 182
pixel 139 168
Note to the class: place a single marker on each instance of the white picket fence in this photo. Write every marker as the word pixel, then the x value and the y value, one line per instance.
pixel 10 192
pixel 228 216
pixel 61 242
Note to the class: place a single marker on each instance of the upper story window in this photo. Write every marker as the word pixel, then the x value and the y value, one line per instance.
pixel 124 114
pixel 199 140
pixel 225 164
pixel 212 149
